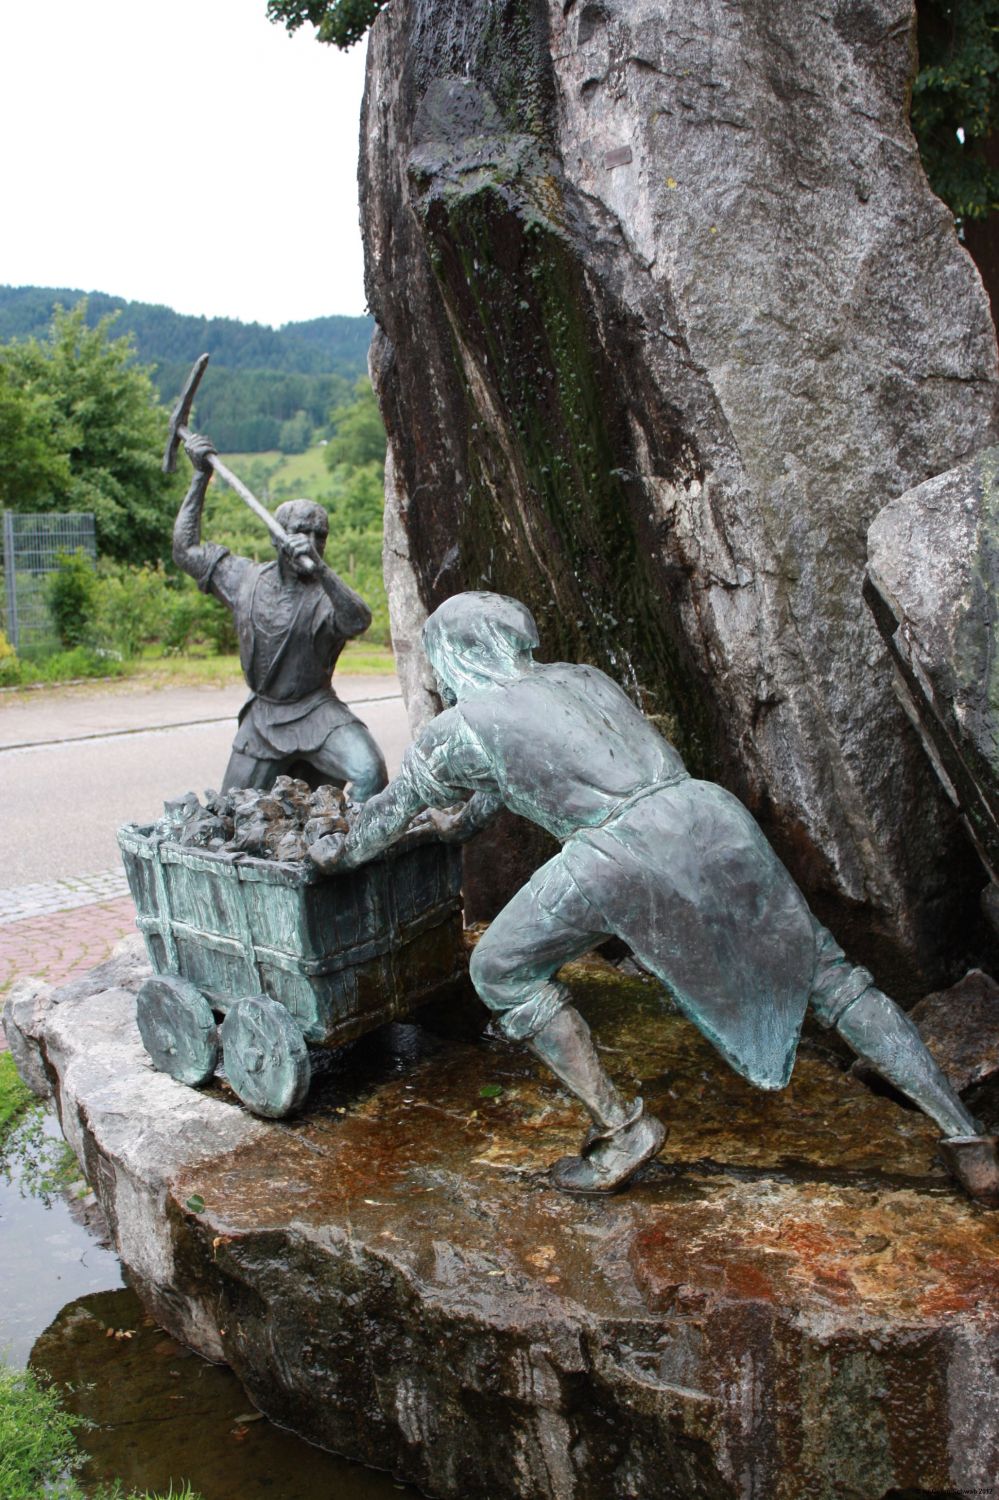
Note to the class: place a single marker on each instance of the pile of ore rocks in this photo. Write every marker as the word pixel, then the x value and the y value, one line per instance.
pixel 279 823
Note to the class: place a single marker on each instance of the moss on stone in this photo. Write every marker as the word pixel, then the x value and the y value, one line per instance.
pixel 552 509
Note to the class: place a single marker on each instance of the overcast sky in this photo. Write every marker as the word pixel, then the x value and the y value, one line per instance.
pixel 189 153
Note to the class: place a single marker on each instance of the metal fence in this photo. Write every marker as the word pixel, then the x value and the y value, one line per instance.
pixel 32 546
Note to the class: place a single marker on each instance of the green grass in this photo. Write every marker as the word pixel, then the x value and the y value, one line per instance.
pixel 306 473
pixel 38 1452
pixel 15 1096
pixel 62 666
pixel 153 669
pixel 358 659
pixel 38 1447
pixel 43 1165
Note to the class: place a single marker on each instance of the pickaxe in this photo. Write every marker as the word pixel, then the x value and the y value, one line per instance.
pixel 179 432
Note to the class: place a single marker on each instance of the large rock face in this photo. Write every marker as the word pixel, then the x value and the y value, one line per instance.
pixel 667 311
pixel 793 1301
pixel 934 588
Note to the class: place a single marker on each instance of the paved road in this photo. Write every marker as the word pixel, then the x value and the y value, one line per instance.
pixel 75 765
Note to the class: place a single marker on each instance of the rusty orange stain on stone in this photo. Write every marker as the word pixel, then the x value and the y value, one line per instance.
pixel 403 1156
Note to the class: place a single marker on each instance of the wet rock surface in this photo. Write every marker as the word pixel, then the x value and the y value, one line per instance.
pixel 666 312
pixel 792 1300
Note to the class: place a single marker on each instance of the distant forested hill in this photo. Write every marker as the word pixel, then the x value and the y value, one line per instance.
pixel 265 388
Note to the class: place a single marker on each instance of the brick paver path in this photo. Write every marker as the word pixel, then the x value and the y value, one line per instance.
pixel 59 895
pixel 56 946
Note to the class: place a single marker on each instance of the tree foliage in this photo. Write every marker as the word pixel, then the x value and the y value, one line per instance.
pixel 335 345
pixel 259 380
pixel 245 411
pixel 341 22
pixel 84 432
pixel 70 593
pixel 358 430
pixel 350 485
pixel 955 101
pixel 34 458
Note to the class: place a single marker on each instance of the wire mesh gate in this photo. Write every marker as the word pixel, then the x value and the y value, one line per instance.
pixel 32 546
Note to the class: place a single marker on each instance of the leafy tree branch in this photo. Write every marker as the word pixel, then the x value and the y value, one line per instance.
pixel 340 22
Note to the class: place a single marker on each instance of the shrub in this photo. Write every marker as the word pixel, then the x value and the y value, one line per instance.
pixel 131 607
pixel 195 618
pixel 64 666
pixel 71 593
pixel 219 627
pixel 10 667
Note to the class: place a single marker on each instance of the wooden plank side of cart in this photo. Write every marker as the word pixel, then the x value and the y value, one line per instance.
pixel 343 954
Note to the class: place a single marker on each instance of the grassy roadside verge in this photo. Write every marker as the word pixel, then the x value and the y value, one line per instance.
pixel 359 659
pixel 15 1096
pixel 44 1164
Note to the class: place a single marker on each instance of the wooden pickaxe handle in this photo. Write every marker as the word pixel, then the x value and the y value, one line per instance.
pixel 180 432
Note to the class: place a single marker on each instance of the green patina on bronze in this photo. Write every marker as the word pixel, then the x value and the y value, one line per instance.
pixel 267 1061
pixel 178 1028
pixel 287 955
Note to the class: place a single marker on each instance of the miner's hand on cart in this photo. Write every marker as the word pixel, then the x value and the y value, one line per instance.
pixel 398 816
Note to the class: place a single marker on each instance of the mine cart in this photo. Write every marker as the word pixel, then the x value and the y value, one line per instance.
pixel 291 959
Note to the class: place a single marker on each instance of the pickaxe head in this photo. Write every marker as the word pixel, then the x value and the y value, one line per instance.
pixel 181 412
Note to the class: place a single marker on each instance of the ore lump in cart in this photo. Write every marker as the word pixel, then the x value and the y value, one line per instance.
pixel 290 958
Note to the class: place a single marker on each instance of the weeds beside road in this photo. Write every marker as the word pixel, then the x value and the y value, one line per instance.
pixel 156 670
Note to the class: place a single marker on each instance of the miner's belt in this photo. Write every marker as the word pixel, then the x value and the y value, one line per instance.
pixel 645 791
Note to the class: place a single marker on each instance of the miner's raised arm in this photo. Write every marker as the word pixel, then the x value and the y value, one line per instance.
pixel 189 553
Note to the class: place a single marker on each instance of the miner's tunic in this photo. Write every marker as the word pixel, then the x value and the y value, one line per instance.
pixel 674 866
pixel 289 643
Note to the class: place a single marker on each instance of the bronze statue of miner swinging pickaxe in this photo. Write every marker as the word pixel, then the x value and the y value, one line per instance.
pixel 180 432
pixel 293 616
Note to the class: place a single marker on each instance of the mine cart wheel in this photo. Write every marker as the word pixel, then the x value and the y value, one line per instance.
pixel 266 1059
pixel 177 1028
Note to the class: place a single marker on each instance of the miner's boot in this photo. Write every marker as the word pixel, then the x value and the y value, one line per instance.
pixel 622 1138
pixel 882 1034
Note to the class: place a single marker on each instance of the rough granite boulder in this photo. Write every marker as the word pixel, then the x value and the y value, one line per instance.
pixel 793 1301
pixel 666 312
pixel 933 585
